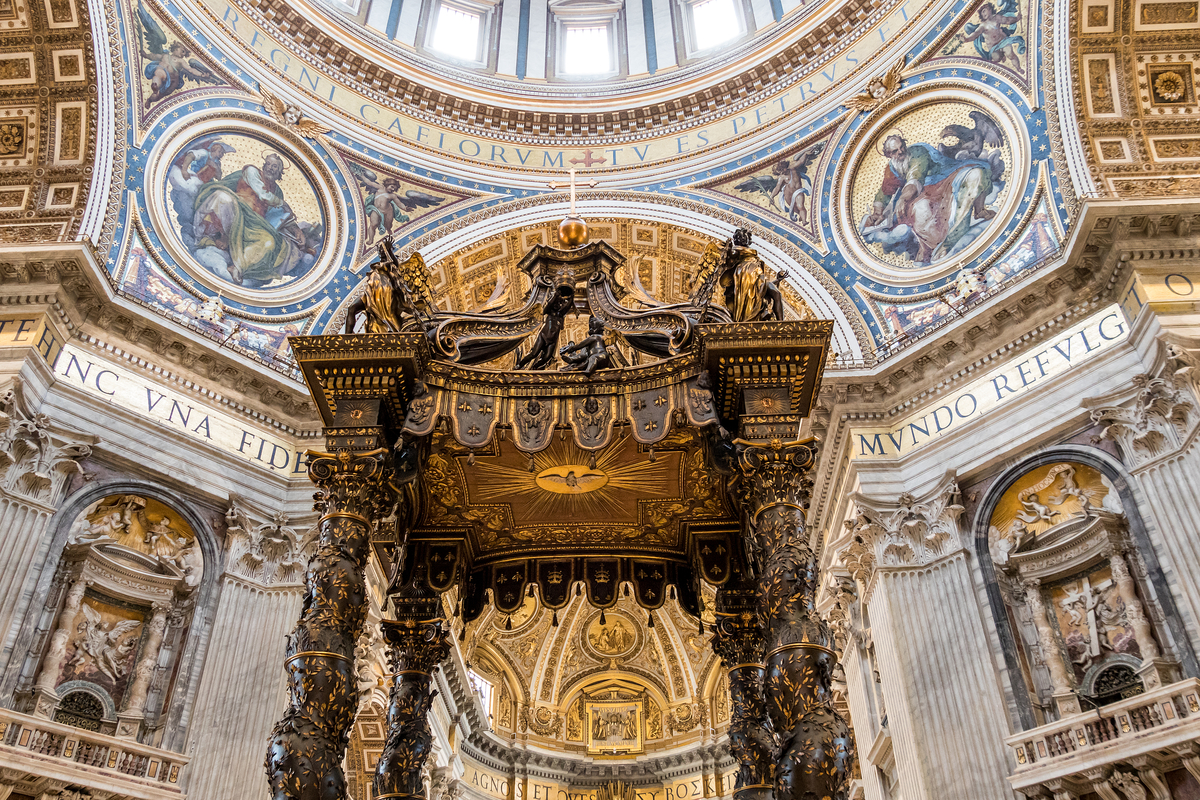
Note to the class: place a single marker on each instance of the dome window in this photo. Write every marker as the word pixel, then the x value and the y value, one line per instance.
pixel 712 23
pixel 586 50
pixel 458 30
pixel 586 34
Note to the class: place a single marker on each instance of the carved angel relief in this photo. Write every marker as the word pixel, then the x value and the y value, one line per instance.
pixel 271 552
pixel 290 115
pixel 879 88
pixel 1034 508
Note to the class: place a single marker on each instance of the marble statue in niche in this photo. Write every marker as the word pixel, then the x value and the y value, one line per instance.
pixel 1092 619
pixel 103 646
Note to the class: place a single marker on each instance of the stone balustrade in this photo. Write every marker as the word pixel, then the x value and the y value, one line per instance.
pixel 50 754
pixel 1080 747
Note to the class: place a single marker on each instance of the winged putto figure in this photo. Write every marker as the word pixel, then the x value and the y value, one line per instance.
pixel 289 114
pixel 168 63
pixel 788 185
pixel 386 208
pixel 879 88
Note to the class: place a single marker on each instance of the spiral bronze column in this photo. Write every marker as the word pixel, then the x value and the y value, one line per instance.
pixel 418 640
pixel 815 748
pixel 306 748
pixel 738 641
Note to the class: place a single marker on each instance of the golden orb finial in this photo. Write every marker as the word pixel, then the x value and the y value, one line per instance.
pixel 573 232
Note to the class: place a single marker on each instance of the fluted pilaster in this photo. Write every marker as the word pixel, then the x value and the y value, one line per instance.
pixel 944 707
pixel 241 681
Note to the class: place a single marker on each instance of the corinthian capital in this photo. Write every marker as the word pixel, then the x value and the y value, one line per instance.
pixel 35 457
pixel 351 482
pixel 906 532
pixel 1155 415
pixel 776 474
pixel 269 552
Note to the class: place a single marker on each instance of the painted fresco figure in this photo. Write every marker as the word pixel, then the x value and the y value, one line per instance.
pixel 245 230
pixel 386 208
pixel 929 204
pixel 168 64
pixel 994 35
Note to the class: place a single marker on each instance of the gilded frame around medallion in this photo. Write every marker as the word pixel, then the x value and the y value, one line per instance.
pixel 609 723
pixel 301 154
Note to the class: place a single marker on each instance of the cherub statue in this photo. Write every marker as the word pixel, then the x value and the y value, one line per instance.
pixel 1035 511
pixel 590 354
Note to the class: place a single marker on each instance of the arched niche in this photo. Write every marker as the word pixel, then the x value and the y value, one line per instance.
pixel 118 611
pixel 1074 585
pixel 615 715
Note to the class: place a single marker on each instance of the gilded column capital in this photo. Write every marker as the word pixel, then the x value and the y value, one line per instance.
pixel 738 632
pixel 416 645
pixel 351 482
pixel 776 474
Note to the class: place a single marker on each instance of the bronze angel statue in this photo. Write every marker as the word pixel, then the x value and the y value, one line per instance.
pixel 751 288
pixel 396 292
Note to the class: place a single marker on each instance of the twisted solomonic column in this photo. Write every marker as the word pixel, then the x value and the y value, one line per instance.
pixel 416 647
pixel 815 749
pixel 305 751
pixel 738 641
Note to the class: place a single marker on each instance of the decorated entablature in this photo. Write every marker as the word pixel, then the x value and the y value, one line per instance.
pixel 660 453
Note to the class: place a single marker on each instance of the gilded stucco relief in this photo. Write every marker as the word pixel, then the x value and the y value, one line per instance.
pixel 593 668
pixel 47 119
pixel 1136 96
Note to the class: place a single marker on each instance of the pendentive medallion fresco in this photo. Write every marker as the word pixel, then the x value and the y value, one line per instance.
pixel 932 183
pixel 244 210
pixel 890 218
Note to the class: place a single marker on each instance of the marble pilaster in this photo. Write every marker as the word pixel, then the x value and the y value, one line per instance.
pixel 938 681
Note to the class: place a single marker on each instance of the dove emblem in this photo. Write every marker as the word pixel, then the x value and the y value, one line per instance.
pixel 571 479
